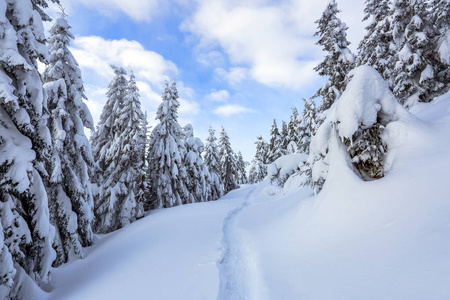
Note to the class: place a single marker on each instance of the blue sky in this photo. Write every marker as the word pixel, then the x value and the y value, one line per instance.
pixel 238 64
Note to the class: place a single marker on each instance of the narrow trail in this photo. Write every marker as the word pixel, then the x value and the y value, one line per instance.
pixel 236 268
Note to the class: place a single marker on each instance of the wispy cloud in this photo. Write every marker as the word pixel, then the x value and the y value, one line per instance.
pixel 218 96
pixel 232 109
pixel 279 51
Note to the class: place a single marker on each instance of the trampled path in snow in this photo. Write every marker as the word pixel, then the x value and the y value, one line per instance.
pixel 236 267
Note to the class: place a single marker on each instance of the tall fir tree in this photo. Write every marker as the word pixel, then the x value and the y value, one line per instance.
pixel 307 126
pixel 131 156
pixel 375 47
pixel 416 68
pixel 117 150
pixel 198 180
pixel 167 173
pixel 274 145
pixel 229 170
pixel 241 166
pixel 212 161
pixel 338 61
pixel 26 252
pixel 294 131
pixel 258 169
pixel 284 138
pixel 143 147
pixel 69 189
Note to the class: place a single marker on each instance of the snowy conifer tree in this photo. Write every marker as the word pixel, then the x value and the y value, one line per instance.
pixel 229 169
pixel 258 169
pixel 143 146
pixel 284 138
pixel 440 17
pixel 338 61
pixel 242 174
pixel 274 150
pixel 356 122
pixel 167 173
pixel 414 73
pixel 293 131
pixel 198 180
pixel 117 149
pixel 132 125
pixel 26 252
pixel 308 125
pixel 212 161
pixel 70 196
pixel 375 48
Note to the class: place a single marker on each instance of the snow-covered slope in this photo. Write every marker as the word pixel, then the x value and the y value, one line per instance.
pixel 383 239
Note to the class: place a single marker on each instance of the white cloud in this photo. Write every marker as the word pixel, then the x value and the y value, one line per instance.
pixel 211 58
pixel 234 76
pixel 97 53
pixel 232 109
pixel 139 10
pixel 274 39
pixel 218 96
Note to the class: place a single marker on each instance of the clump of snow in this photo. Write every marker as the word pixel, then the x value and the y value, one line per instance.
pixel 444 48
pixel 286 165
pixel 366 101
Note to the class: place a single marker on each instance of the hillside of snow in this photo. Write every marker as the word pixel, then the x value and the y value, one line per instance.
pixel 383 239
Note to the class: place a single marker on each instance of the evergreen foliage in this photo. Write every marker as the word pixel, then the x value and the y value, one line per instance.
pixel 307 126
pixel 258 169
pixel 117 148
pixel 229 168
pixel 375 48
pixel 241 166
pixel 69 189
pixel 166 169
pixel 26 252
pixel 284 138
pixel 338 61
pixel 274 150
pixel 414 73
pixel 212 161
pixel 198 180
pixel 294 131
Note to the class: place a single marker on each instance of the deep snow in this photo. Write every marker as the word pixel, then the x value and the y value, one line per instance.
pixel 383 239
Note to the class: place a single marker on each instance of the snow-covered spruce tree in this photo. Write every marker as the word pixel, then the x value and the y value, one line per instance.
pixel 26 252
pixel 143 146
pixel 338 61
pixel 258 169
pixel 356 122
pixel 117 150
pixel 440 17
pixel 212 161
pixel 284 138
pixel 293 131
pixel 416 68
pixel 229 169
pixel 167 173
pixel 375 48
pixel 274 150
pixel 307 126
pixel 132 139
pixel 69 189
pixel 198 180
pixel 242 174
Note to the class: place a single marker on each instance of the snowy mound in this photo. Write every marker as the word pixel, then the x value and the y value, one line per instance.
pixel 366 104
pixel 280 170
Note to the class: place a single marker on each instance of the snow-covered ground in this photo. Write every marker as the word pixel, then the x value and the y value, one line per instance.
pixel 384 239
